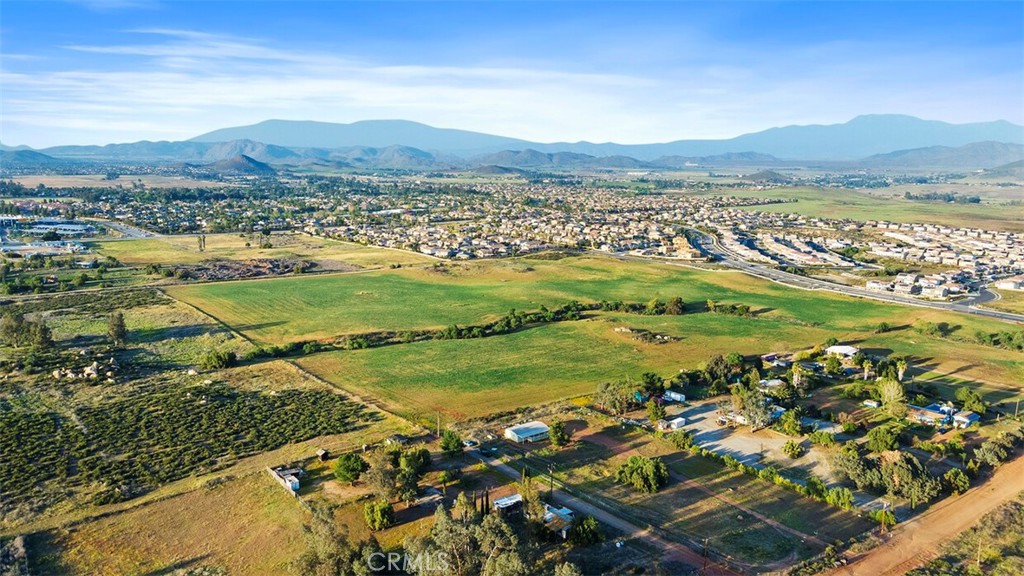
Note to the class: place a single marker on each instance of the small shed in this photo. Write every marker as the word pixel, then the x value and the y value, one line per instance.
pixel 323 455
pixel 534 431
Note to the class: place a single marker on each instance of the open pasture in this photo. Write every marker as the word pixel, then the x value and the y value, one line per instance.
pixel 303 308
pixel 835 203
pixel 183 249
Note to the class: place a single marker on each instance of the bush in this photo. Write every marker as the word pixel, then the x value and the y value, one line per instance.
pixel 584 531
pixel 450 442
pixel 379 514
pixel 793 449
pixel 217 359
pixel 349 467
pixel 645 474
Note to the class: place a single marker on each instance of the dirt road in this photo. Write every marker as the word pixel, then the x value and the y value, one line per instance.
pixel 918 541
pixel 674 552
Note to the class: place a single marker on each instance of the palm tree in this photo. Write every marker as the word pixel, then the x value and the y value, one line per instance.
pixel 901 368
pixel 867 365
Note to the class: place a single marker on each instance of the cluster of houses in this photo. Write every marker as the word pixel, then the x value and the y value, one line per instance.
pixel 936 286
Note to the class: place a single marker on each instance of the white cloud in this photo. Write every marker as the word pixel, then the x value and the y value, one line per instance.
pixel 180 83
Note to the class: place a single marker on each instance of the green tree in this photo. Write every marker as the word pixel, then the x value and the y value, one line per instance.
pixel 643 473
pixel 893 396
pixel 655 411
pixel 793 449
pixel 833 366
pixel 451 443
pixel 116 331
pixel 381 474
pixel 349 467
pixel 790 424
pixel 379 514
pixel 558 434
pixel 584 531
pixel 971 400
pixel 883 438
pixel 956 481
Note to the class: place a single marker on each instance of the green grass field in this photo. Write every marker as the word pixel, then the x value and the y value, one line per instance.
pixel 297 308
pixel 473 377
pixel 1009 301
pixel 170 250
pixel 833 203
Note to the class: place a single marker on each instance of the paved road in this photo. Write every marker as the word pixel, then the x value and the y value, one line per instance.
pixel 673 551
pixel 710 245
pixel 127 230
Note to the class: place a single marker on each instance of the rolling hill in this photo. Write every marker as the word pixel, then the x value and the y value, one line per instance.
pixel 974 156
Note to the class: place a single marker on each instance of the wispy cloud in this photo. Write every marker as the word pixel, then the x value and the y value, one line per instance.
pixel 176 83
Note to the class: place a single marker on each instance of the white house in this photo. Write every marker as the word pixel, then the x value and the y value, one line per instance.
pixel 534 431
pixel 846 351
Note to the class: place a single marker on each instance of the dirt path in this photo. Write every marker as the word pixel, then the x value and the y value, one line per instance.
pixel 673 551
pixel 617 448
pixel 916 542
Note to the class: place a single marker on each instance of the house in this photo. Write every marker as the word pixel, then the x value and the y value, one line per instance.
pixel 932 415
pixel 509 504
pixel 846 351
pixel 534 431
pixel 558 520
pixel 965 419
pixel 1014 283
pixel 672 396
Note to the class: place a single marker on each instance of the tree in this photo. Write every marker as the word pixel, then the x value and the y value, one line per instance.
pixel 956 481
pixel 793 449
pixel 901 368
pixel 833 366
pixel 756 408
pixel 532 505
pixel 116 331
pixel 381 474
pixel 40 335
pixel 558 434
pixel 971 400
pixel 643 473
pixel 450 442
pixel 718 367
pixel 790 424
pixel 655 411
pixel 613 396
pixel 584 531
pixel 651 384
pixel 217 359
pixel 867 365
pixel 379 514
pixel 893 397
pixel 349 467
pixel 883 438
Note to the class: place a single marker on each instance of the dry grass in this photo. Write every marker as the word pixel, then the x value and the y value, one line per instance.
pixel 245 526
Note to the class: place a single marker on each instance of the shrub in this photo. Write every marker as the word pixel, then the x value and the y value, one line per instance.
pixel 379 514
pixel 349 467
pixel 643 473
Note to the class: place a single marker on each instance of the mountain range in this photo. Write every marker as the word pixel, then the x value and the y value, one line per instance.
pixel 880 141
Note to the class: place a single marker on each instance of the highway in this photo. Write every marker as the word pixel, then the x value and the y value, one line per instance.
pixel 709 245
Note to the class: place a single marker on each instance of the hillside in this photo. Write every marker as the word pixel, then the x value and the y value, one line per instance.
pixel 22 158
pixel 972 156
pixel 242 164
pixel 1011 170
pixel 860 137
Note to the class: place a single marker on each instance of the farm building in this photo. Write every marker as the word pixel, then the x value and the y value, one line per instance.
pixel 534 431
pixel 846 351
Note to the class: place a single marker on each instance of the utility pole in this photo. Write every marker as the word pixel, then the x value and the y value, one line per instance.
pixel 438 423
pixel 704 568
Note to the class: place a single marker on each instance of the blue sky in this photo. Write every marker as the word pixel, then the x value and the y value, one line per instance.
pixel 100 71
